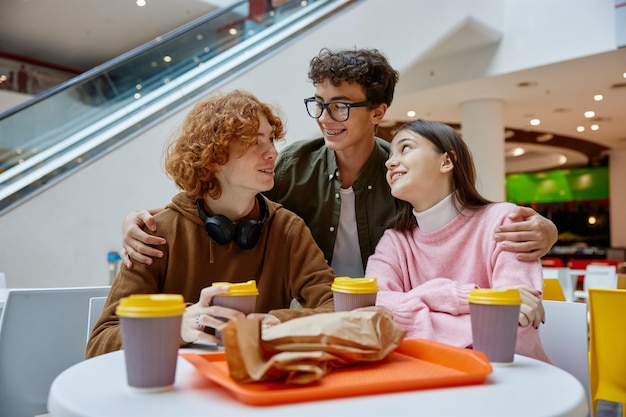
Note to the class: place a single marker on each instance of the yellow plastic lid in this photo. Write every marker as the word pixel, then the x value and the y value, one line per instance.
pixel 239 288
pixel 151 305
pixel 495 296
pixel 355 285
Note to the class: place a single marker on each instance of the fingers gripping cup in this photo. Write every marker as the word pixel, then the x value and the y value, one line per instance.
pixel 350 293
pixel 240 296
pixel 494 316
pixel 150 325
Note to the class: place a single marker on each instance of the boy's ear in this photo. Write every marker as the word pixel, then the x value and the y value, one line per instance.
pixel 379 113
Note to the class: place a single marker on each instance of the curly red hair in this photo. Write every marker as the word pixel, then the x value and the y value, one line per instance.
pixel 208 135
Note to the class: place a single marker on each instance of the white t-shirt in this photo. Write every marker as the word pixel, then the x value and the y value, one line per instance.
pixel 347 252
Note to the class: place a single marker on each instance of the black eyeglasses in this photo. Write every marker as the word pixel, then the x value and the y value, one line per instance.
pixel 339 111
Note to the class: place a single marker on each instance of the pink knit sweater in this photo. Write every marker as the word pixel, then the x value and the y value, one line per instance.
pixel 425 278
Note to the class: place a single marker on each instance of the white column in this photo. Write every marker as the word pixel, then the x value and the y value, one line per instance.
pixel 483 131
pixel 617 197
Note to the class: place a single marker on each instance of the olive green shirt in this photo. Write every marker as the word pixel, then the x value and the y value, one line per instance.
pixel 307 182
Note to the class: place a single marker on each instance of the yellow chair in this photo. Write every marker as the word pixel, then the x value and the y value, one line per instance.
pixel 552 290
pixel 567 281
pixel 607 346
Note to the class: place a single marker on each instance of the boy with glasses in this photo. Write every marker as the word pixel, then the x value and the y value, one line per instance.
pixel 337 183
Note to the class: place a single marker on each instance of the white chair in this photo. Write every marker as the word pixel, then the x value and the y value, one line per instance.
pixel 599 276
pixel 567 281
pixel 42 333
pixel 564 337
pixel 96 304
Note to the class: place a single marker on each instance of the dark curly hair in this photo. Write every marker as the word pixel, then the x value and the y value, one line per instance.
pixel 366 67
pixel 445 140
pixel 208 133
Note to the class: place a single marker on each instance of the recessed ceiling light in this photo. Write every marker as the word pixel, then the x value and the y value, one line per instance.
pixel 232 31
pixel 589 114
pixel 580 129
pixel 167 58
pixel 624 75
pixel 518 152
pixel 595 127
pixel 410 113
pixel 140 3
pixel 535 122
pixel 598 97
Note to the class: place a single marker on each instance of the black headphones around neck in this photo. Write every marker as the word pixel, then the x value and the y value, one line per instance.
pixel 246 233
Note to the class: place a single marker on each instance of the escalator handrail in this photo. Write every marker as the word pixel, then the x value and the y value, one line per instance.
pixel 112 63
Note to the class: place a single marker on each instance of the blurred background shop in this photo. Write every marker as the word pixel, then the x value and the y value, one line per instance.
pixel 87 103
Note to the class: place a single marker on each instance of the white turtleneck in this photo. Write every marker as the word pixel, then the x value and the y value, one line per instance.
pixel 438 215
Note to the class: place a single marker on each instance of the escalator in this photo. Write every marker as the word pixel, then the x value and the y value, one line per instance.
pixel 66 127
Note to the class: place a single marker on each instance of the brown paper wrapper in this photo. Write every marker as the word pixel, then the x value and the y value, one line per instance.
pixel 303 350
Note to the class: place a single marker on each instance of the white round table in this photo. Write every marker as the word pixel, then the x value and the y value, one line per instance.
pixel 97 387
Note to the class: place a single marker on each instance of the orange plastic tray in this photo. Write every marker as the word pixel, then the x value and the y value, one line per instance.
pixel 415 364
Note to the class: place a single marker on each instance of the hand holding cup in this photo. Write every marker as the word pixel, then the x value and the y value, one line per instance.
pixel 240 296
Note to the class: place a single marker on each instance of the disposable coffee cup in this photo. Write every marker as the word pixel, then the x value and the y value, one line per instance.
pixel 150 325
pixel 494 316
pixel 350 293
pixel 241 296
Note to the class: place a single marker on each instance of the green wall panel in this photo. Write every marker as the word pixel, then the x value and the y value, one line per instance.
pixel 558 186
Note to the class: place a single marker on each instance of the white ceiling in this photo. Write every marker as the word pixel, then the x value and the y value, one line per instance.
pixel 82 34
pixel 559 95
pixel 85 33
